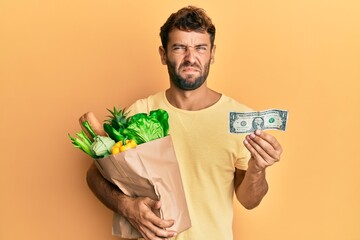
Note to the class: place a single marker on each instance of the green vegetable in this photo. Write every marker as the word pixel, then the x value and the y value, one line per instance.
pixel 112 132
pixel 145 128
pixel 136 117
pixel 89 129
pixel 83 143
pixel 141 128
pixel 102 146
pixel 163 117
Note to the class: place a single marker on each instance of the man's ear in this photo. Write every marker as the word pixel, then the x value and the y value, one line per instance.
pixel 162 53
pixel 212 54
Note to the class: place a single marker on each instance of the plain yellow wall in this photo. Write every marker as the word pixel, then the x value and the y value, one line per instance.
pixel 59 59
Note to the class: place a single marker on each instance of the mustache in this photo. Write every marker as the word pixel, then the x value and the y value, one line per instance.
pixel 188 64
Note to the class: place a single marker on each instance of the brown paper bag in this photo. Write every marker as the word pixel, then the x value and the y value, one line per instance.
pixel 149 170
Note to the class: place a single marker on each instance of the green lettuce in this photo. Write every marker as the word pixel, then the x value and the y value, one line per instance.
pixel 145 128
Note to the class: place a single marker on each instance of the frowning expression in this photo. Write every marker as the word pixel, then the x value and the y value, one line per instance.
pixel 188 57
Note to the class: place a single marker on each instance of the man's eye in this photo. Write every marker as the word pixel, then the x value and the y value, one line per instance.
pixel 179 48
pixel 201 49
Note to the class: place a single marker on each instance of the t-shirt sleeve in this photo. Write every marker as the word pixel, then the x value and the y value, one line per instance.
pixel 244 154
pixel 139 106
pixel 243 159
pixel 145 105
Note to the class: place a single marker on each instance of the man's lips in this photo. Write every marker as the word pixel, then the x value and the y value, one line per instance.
pixel 189 69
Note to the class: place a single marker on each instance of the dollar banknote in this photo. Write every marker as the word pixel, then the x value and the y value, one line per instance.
pixel 247 122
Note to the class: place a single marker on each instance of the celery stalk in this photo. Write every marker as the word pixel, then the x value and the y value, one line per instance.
pixel 83 143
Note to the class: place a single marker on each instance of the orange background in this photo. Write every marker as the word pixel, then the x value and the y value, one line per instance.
pixel 59 59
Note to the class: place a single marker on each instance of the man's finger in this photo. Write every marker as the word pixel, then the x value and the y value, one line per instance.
pixel 261 148
pixel 156 220
pixel 269 138
pixel 268 143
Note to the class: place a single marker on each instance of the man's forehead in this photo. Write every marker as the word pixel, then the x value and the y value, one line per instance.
pixel 177 36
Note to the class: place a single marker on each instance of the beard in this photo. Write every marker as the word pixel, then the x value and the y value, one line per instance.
pixel 186 83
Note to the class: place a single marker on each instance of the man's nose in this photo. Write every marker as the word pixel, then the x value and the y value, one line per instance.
pixel 190 55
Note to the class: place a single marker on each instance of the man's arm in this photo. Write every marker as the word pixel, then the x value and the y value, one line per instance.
pixel 251 185
pixel 139 211
pixel 250 188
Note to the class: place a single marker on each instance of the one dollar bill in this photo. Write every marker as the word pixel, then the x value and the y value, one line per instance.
pixel 247 122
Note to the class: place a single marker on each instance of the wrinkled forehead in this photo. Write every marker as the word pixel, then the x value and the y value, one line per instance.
pixel 190 38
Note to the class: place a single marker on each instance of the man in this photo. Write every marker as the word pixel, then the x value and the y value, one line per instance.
pixel 213 163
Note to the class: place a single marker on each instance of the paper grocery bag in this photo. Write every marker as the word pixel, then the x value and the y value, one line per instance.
pixel 149 170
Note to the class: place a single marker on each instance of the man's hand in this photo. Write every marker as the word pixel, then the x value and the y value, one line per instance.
pixel 251 185
pixel 140 212
pixel 264 148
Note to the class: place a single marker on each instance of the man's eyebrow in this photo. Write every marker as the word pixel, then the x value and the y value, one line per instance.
pixel 201 44
pixel 185 45
pixel 178 44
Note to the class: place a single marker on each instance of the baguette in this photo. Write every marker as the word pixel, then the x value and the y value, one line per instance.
pixel 94 123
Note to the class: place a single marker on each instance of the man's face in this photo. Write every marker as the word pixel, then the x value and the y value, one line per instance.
pixel 188 58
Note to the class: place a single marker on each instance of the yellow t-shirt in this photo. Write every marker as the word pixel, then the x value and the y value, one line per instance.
pixel 208 155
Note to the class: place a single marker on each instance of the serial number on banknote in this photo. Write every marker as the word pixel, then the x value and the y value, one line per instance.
pixel 247 122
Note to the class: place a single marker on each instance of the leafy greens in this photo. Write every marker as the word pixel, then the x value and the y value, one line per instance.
pixel 145 128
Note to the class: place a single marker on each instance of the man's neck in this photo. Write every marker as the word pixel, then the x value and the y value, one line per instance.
pixel 193 100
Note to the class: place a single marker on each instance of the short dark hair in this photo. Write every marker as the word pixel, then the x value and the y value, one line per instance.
pixel 188 19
